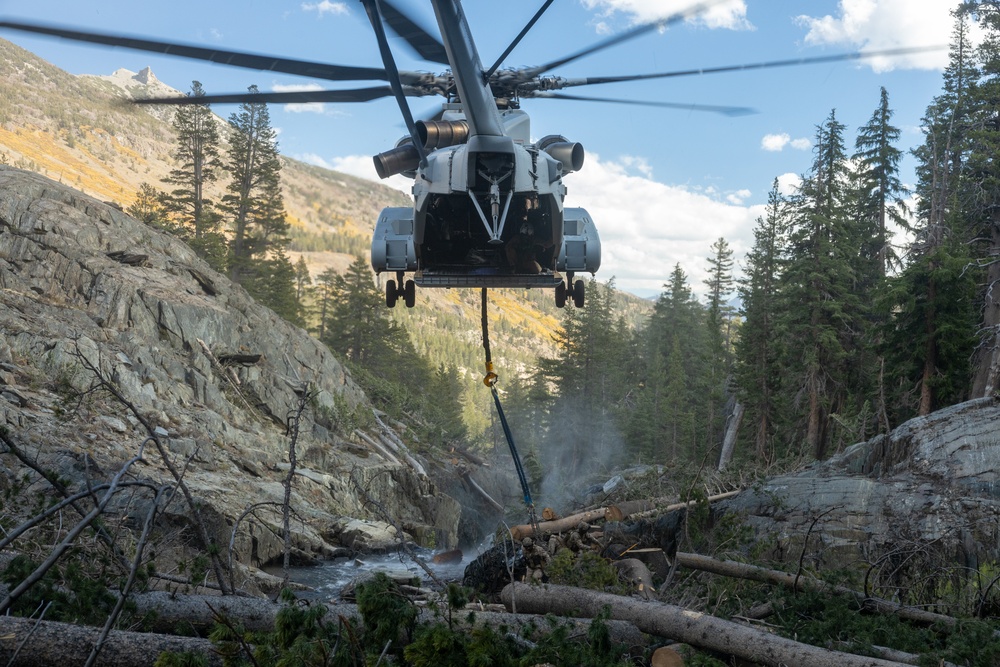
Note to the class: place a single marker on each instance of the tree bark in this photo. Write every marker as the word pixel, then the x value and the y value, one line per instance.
pixel 46 643
pixel 168 613
pixel 690 627
pixel 729 442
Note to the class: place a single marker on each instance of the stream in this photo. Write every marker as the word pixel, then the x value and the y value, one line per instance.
pixel 329 578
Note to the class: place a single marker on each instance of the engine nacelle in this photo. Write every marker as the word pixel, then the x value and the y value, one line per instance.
pixel 581 246
pixel 442 133
pixel 569 153
pixel 393 248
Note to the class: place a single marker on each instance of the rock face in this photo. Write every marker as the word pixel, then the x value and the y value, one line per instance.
pixel 214 373
pixel 927 493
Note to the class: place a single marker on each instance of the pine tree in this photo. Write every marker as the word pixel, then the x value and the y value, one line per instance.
pixel 881 193
pixel 819 297
pixel 719 316
pixel 148 207
pixel 197 152
pixel 254 201
pixel 758 371
pixel 670 398
pixel 926 331
pixel 981 200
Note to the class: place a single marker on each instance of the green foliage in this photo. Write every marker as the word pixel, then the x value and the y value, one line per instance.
pixel 72 594
pixel 388 614
pixel 821 619
pixel 585 569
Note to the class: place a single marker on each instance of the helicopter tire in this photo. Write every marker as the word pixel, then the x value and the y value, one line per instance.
pixel 561 295
pixel 390 293
pixel 578 293
pixel 409 293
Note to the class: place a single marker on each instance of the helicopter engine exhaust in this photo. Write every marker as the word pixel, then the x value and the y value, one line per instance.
pixel 404 157
pixel 432 134
pixel 569 153
pixel 442 133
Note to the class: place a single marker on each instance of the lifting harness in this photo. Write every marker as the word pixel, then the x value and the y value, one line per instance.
pixel 490 380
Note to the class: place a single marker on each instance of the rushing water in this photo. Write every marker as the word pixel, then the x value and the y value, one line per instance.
pixel 328 579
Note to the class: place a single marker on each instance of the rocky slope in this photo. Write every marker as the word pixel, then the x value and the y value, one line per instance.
pixel 920 503
pixel 85 288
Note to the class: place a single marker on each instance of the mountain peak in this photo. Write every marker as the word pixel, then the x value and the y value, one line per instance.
pixel 146 76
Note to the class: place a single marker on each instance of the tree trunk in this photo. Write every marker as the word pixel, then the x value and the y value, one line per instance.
pixel 730 568
pixel 168 613
pixel 729 442
pixel 28 643
pixel 690 627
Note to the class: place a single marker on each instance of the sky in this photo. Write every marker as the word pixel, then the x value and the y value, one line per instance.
pixel 661 184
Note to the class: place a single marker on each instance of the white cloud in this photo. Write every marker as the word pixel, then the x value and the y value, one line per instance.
pixel 309 107
pixel 730 14
pixel 886 24
pixel 774 142
pixel 326 7
pixel 788 184
pixel 777 142
pixel 647 227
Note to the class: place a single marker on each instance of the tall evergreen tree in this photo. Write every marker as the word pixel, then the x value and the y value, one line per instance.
pixel 197 153
pixel 981 204
pixel 719 320
pixel 670 399
pixel 880 199
pixel 819 298
pixel 758 372
pixel 254 201
pixel 929 305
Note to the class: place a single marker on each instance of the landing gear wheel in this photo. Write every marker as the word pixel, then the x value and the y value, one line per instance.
pixel 578 291
pixel 409 293
pixel 561 295
pixel 391 294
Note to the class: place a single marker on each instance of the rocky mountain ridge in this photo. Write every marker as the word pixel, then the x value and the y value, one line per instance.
pixel 87 293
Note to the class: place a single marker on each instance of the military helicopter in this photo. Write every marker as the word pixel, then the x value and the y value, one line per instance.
pixel 488 206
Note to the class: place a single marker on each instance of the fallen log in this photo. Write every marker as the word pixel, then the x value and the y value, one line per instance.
pixel 168 613
pixel 557 526
pixel 467 476
pixel 682 625
pixel 677 506
pixel 28 643
pixel 729 568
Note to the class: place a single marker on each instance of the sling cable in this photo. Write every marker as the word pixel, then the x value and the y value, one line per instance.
pixel 490 380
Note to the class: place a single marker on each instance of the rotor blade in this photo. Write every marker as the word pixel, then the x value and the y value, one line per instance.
pixel 291 97
pixel 235 58
pixel 426 45
pixel 517 40
pixel 637 31
pixel 726 111
pixel 557 83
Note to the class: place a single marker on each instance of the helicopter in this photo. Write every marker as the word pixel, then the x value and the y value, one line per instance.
pixel 488 202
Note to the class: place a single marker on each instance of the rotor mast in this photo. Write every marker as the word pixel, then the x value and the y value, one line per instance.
pixel 473 88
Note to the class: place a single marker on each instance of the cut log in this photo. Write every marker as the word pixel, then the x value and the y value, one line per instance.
pixel 28 643
pixel 621 511
pixel 690 627
pixel 654 559
pixel 635 572
pixel 559 525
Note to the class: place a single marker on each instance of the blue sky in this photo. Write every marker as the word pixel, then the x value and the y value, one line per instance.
pixel 662 184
